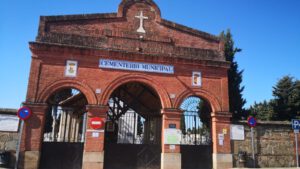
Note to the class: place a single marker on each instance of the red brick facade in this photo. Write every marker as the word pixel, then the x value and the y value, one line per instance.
pixel 88 38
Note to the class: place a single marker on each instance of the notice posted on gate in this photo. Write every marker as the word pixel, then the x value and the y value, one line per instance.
pixel 172 136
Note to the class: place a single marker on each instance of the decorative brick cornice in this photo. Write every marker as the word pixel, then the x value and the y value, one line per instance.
pixel 125 40
pixel 45 48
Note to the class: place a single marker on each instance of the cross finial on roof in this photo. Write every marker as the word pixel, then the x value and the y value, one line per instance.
pixel 141 17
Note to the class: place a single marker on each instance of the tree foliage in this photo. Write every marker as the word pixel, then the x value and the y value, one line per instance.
pixel 235 77
pixel 286 102
pixel 287 98
pixel 263 111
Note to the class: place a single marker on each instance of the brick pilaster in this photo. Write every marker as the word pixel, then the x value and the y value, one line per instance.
pixel 170 158
pixel 93 156
pixel 32 136
pixel 222 157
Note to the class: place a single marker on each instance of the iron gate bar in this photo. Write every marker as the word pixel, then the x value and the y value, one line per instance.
pixel 124 109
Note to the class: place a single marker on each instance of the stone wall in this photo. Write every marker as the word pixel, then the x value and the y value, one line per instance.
pixel 274 145
pixel 8 140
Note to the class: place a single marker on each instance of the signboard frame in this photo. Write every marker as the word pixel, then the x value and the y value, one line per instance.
pixel 197 79
pixel 172 136
pixel 296 124
pixel 71 68
pixel 136 66
pixel 14 128
pixel 237 132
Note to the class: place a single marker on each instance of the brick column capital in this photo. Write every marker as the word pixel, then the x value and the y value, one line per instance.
pixel 97 110
pixel 36 107
pixel 223 117
pixel 169 113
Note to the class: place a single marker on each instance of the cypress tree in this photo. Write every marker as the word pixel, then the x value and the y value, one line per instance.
pixel 236 100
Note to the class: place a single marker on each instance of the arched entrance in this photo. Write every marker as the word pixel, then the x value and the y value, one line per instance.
pixel 133 128
pixel 64 130
pixel 196 143
pixel 134 73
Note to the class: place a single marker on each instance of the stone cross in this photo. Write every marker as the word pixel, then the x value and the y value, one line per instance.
pixel 141 17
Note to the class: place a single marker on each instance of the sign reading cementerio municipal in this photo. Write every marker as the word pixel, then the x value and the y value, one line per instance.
pixel 136 66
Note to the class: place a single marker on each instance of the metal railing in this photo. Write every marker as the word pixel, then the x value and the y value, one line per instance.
pixel 64 125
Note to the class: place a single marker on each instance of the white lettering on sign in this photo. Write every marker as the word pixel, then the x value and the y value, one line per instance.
pixel 136 66
pixel 296 124
pixel 96 122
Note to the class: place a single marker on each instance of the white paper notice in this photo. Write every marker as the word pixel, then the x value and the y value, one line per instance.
pixel 237 132
pixel 221 142
pixel 95 134
pixel 221 139
pixel 172 136
pixel 172 147
pixel 9 123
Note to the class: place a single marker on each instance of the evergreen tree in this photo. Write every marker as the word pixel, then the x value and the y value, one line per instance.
pixel 236 100
pixel 296 97
pixel 287 98
pixel 263 111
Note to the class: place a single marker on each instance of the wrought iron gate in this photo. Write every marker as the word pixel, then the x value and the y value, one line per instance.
pixel 133 129
pixel 59 155
pixel 196 144
pixel 63 142
pixel 133 142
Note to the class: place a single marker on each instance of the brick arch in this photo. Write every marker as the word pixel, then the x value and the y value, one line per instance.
pixel 85 89
pixel 141 78
pixel 210 98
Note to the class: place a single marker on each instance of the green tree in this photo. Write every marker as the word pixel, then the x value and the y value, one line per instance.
pixel 285 101
pixel 295 99
pixel 263 111
pixel 236 100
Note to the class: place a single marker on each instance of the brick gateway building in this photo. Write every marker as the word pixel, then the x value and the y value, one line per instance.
pixel 161 88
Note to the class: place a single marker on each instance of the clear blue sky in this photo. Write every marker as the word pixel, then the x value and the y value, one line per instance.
pixel 268 31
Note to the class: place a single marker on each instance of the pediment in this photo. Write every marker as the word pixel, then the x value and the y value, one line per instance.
pixel 126 31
